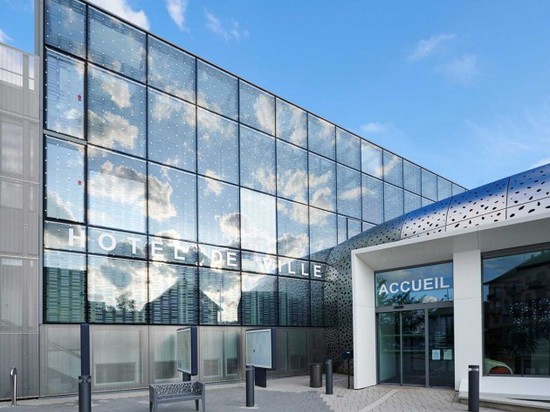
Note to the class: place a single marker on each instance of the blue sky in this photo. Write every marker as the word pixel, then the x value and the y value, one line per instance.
pixel 459 87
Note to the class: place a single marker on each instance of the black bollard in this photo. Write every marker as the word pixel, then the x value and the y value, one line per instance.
pixel 473 388
pixel 329 379
pixel 85 380
pixel 249 386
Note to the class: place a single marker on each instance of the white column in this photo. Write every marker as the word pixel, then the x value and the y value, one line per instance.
pixel 468 312
pixel 364 324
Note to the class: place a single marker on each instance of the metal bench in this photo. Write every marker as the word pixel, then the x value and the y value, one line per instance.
pixel 173 392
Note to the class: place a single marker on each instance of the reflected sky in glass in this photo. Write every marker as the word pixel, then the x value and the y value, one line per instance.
pixel 116 118
pixel 257 108
pixel 257 160
pixel 292 176
pixel 116 191
pixel 292 221
pixel 258 227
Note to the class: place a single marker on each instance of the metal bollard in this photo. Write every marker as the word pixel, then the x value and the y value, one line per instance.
pixel 85 393
pixel 249 386
pixel 329 378
pixel 473 388
pixel 13 381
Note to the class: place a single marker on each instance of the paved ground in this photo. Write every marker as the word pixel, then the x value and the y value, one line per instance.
pixel 281 395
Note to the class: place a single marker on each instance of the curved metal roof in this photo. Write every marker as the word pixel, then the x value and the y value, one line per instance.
pixel 520 195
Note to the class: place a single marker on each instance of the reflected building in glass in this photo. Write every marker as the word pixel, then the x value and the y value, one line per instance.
pixel 176 193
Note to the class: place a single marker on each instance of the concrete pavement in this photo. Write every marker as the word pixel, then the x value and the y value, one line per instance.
pixel 281 395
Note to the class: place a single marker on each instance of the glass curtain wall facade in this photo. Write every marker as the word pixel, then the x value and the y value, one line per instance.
pixel 177 193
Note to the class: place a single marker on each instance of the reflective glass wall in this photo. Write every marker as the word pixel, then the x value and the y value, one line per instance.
pixel 516 311
pixel 177 193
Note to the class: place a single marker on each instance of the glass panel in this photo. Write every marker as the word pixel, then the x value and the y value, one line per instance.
pixel 116 195
pixel 516 302
pixel 112 243
pixel 64 280
pixel 259 263
pixel 64 236
pixel 258 222
pixel 217 90
pixel 257 161
pixel 173 292
pixel 219 354
pixel 389 343
pixel 322 183
pixel 444 188
pixel 342 229
pixel 413 347
pixel 348 149
pixel 64 180
pixel 292 222
pixel 172 129
pixel 218 148
pixel 11 137
pixel 429 185
pixel 116 45
pixel 219 258
pixel 426 202
pixel 393 202
pixel 116 118
pixel 259 300
pixel 59 352
pixel 64 26
pixel 412 202
pixel 412 177
pixel 295 268
pixel 257 108
pixel 291 123
pixel 393 169
pixel 349 192
pixel 317 303
pixel 322 230
pixel 321 136
pixel 117 290
pixel 441 350
pixel 294 308
pixel 373 200
pixel 64 95
pixel 219 221
pixel 457 189
pixel 220 294
pixel 354 228
pixel 292 172
pixel 171 70
pixel 371 159
pixel 172 203
pixel 422 284
pixel 175 251
pixel 119 357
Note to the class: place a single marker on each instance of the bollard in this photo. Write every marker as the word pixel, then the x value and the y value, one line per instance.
pixel 85 393
pixel 473 388
pixel 84 380
pixel 13 381
pixel 315 375
pixel 329 379
pixel 249 386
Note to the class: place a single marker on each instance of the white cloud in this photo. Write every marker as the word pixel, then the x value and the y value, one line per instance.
pixel 263 109
pixel 114 128
pixel 233 31
pixel 461 70
pixel 540 162
pixel 122 9
pixel 427 47
pixel 374 127
pixel 4 38
pixel 160 200
pixel 294 184
pixel 213 186
pixel 176 9
pixel 351 194
pixel 229 225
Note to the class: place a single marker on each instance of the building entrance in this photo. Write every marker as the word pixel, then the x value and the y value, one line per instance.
pixel 416 345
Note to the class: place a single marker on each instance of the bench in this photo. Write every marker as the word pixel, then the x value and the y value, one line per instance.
pixel 173 392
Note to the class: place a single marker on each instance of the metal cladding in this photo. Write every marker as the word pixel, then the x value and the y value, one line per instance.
pixel 521 195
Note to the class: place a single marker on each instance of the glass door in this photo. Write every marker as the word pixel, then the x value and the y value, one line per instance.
pixel 416 347
pixel 441 346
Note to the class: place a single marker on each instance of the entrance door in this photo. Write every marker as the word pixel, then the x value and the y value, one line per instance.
pixel 416 347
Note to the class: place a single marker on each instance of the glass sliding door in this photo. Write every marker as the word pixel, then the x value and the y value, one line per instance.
pixel 389 335
pixel 413 347
pixel 441 346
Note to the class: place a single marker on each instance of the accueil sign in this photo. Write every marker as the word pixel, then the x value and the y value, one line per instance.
pixel 414 285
